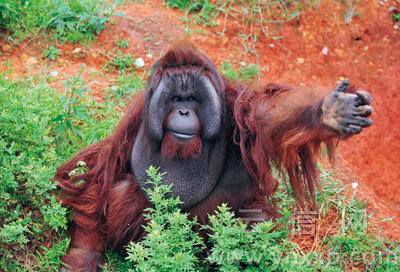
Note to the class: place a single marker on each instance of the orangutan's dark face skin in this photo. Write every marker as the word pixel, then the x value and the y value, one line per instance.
pixel 184 139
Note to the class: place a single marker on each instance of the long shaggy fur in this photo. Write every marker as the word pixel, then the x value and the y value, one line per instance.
pixel 273 126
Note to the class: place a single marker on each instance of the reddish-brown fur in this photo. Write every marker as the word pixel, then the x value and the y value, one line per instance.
pixel 184 149
pixel 276 124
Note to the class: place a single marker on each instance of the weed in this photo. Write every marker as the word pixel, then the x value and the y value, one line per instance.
pixel 119 61
pixel 396 16
pixel 249 72
pixel 73 20
pixel 170 242
pixel 74 110
pixel 228 71
pixel 51 53
pixel 123 44
pixel 246 73
pixel 125 86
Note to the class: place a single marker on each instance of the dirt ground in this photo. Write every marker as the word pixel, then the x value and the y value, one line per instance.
pixel 318 49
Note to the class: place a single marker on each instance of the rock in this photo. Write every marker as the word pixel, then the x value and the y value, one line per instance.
pixel 242 63
pixel 53 74
pixel 271 45
pixel 300 60
pixel 114 88
pixel 396 27
pixel 139 62
pixel 76 50
pixel 325 51
pixel 149 56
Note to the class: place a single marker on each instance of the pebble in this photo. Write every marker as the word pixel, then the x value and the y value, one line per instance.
pixel 114 88
pixel 242 63
pixel 53 73
pixel 271 45
pixel 300 60
pixel 76 50
pixel 149 56
pixel 396 27
pixel 139 62
pixel 325 51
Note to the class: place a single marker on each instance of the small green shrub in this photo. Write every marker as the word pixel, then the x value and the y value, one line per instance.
pixel 249 72
pixel 125 86
pixel 170 243
pixel 120 62
pixel 51 53
pixel 228 71
pixel 123 44
pixel 72 20
pixel 74 110
pixel 30 122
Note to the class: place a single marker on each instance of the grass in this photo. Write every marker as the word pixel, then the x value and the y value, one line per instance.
pixel 33 119
pixel 67 21
pixel 119 62
pixel 256 17
pixel 51 53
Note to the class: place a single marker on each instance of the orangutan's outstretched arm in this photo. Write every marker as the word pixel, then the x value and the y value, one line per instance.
pixel 286 126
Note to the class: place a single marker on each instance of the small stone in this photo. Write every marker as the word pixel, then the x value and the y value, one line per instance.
pixel 114 88
pixel 300 60
pixel 396 27
pixel 76 50
pixel 354 185
pixel 271 45
pixel 381 3
pixel 24 57
pixel 149 56
pixel 325 51
pixel 366 48
pixel 242 63
pixel 392 8
pixel 139 62
pixel 53 74
pixel 60 60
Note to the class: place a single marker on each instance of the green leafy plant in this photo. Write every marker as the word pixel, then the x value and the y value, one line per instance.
pixel 170 243
pixel 249 72
pixel 123 44
pixel 51 53
pixel 73 20
pixel 228 71
pixel 74 112
pixel 120 62
pixel 125 86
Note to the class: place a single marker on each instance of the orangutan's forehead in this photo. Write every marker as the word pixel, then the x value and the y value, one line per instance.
pixel 187 82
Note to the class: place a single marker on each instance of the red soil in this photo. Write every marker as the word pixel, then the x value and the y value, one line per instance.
pixel 366 51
